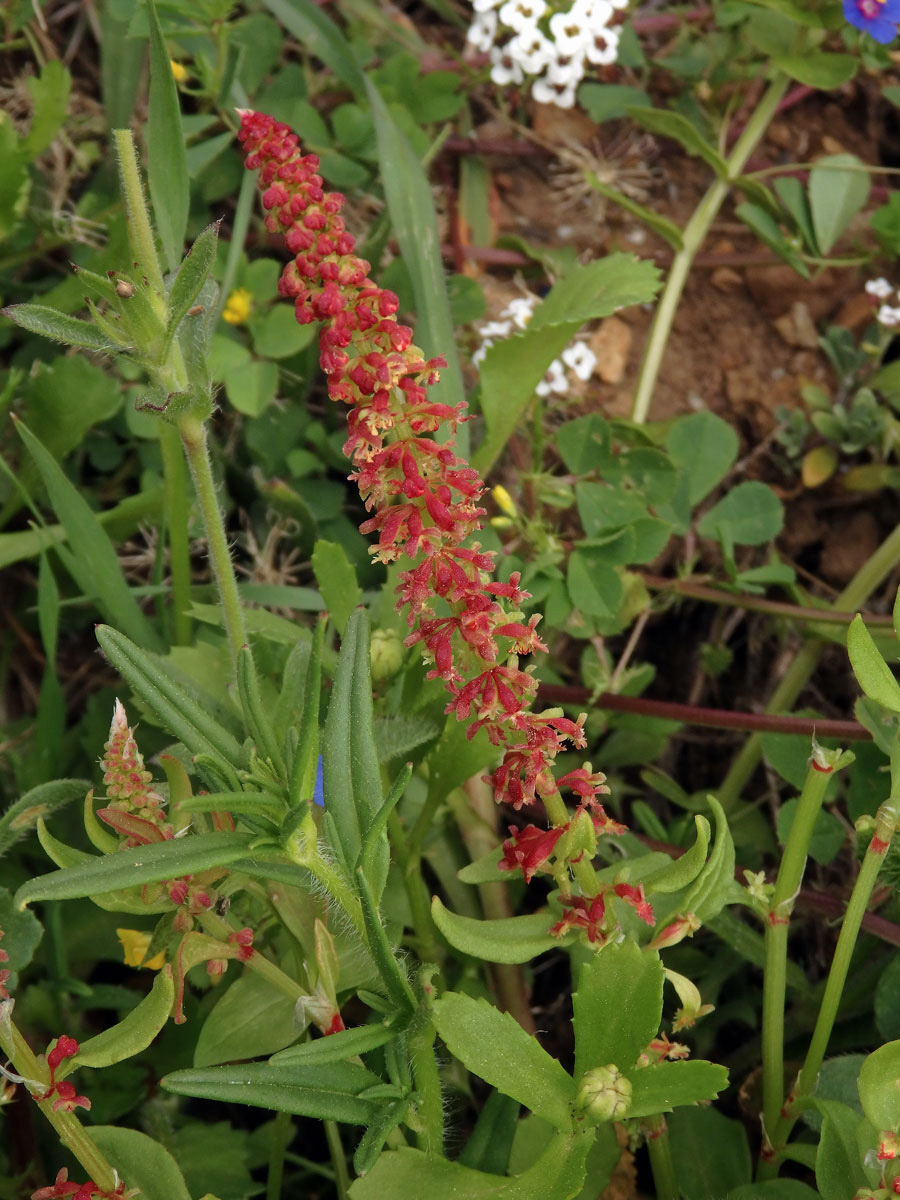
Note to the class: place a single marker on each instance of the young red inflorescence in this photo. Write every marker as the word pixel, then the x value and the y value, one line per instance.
pixel 423 497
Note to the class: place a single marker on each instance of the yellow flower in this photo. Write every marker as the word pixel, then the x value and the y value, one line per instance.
pixel 504 501
pixel 180 72
pixel 135 944
pixel 238 306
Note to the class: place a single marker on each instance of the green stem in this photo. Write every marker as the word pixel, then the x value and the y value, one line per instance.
pixel 692 239
pixel 71 1133
pixel 870 576
pixel 661 1164
pixel 430 1129
pixel 217 927
pixel 139 227
pixel 177 514
pixel 338 1158
pixel 885 825
pixel 787 885
pixel 193 438
pixel 281 1138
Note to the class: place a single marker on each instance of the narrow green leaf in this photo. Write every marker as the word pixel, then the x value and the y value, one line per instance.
pixel 141 1162
pixel 793 196
pixel 133 1033
pixel 22 816
pixel 769 232
pixel 257 721
pixel 388 1116
pixel 839 187
pixel 490 1143
pixel 411 206
pixel 167 172
pixel 660 225
pixel 72 331
pixel 336 576
pixel 133 867
pixel 673 125
pixel 254 804
pixel 192 275
pixel 683 870
pixel 494 1046
pixel 320 37
pixel 337 1046
pixel 714 886
pixel 329 1091
pixel 507 940
pixel 617 1007
pixel 872 673
pixel 663 1086
pixel 93 563
pixel 174 707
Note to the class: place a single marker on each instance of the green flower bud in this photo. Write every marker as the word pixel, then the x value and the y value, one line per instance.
pixel 385 653
pixel 604 1094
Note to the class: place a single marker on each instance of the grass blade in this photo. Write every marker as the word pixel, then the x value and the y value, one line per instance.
pixel 167 172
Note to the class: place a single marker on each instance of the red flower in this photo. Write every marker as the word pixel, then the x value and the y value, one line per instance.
pixel 635 897
pixel 67 1100
pixel 579 912
pixel 529 848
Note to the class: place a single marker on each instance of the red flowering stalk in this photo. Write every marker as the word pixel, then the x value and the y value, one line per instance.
pixel 424 498
pixel 135 808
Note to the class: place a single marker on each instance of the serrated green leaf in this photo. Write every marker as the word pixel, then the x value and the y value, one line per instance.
pixel 508 940
pixel 558 1174
pixel 133 867
pixel 330 1091
pixel 663 1086
pixel 616 1007
pixel 494 1046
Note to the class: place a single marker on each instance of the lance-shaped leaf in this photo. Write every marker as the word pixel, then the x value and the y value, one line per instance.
pixel 133 1033
pixel 714 886
pixel 143 864
pixel 663 1086
pixel 872 673
pixel 174 707
pixel 167 173
pixel 329 1091
pixel 72 331
pixel 494 1046
pixel 352 774
pixel 192 275
pixel 681 871
pixel 345 1044
pixel 93 563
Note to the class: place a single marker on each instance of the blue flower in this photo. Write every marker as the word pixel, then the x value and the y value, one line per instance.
pixel 319 789
pixel 878 18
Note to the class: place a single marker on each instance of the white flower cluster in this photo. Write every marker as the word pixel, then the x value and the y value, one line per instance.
pixel 555 46
pixel 577 357
pixel 886 315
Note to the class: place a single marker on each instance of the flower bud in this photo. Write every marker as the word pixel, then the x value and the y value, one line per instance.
pixel 604 1094
pixel 385 654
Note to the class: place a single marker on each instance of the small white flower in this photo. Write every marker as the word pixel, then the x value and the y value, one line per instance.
pixel 603 47
pixel 504 67
pixel 599 14
pixel 562 95
pixel 888 316
pixel 495 329
pixel 880 288
pixel 580 359
pixel 522 15
pixel 482 31
pixel 520 310
pixel 570 32
pixel 531 51
pixel 565 71
pixel 554 381
pixel 483 6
